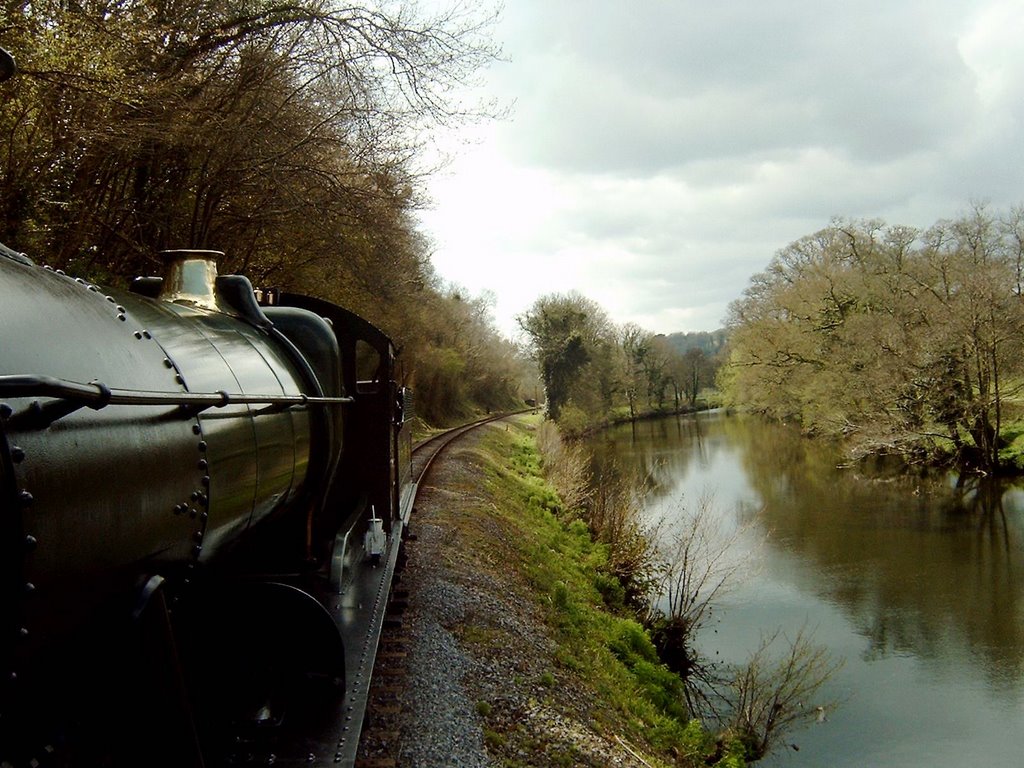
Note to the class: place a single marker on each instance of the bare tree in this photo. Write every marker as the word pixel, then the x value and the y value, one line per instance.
pixel 697 565
pixel 276 132
pixel 771 696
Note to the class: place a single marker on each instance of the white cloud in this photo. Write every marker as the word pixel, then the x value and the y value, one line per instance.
pixel 991 49
pixel 659 154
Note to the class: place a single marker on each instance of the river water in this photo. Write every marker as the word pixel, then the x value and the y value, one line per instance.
pixel 916 585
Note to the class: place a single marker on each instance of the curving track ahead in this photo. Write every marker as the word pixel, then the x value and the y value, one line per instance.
pixel 426 451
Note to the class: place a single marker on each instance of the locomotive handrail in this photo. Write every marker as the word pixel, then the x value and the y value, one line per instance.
pixel 97 395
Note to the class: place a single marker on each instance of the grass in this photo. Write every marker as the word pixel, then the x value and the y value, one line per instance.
pixel 640 699
pixel 1011 454
pixel 1011 451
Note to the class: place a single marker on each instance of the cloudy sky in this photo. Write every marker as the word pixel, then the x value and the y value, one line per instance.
pixel 658 153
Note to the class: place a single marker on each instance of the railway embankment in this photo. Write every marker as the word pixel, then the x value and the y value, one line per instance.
pixel 510 655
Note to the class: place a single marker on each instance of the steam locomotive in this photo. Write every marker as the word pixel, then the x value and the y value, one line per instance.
pixel 198 489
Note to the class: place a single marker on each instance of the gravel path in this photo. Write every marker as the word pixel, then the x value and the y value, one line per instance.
pixel 441 726
pixel 481 685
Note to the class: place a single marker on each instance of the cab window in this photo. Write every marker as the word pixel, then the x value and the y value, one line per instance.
pixel 367 367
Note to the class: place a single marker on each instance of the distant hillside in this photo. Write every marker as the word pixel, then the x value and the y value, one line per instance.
pixel 711 342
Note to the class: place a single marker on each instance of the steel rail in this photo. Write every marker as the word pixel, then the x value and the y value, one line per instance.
pixel 424 455
pixel 433 446
pixel 422 458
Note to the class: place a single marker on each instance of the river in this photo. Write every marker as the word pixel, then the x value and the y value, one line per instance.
pixel 916 585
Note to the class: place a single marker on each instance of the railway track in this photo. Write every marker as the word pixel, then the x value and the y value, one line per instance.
pixel 376 739
pixel 426 451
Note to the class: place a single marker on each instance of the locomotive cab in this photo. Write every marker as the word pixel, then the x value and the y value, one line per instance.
pixel 375 467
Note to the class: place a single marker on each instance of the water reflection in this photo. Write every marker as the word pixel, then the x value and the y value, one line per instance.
pixel 918 575
pixel 917 564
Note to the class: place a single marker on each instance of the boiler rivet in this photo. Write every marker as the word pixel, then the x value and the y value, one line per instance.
pixel 203 464
pixel 202 446
pixel 5 411
pixel 17 454
pixel 168 363
pixel 138 334
pixel 25 498
pixel 30 542
pixel 196 429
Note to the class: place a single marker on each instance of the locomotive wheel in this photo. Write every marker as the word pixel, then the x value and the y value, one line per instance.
pixel 265 662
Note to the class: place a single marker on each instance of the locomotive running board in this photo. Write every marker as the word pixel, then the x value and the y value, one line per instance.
pixel 330 737
pixel 359 666
pixel 362 609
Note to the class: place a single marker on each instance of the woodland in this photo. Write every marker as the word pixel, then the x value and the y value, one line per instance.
pixel 897 340
pixel 289 136
pixel 293 137
pixel 595 371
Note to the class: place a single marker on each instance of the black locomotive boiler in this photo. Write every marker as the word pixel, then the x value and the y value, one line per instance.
pixel 197 493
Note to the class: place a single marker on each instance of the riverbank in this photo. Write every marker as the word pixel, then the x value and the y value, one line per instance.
pixel 913 583
pixel 576 429
pixel 515 659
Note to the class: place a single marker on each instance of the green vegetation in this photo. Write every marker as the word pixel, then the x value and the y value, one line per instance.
pixel 1011 450
pixel 900 341
pixel 668 580
pixel 640 698
pixel 287 136
pixel 595 372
